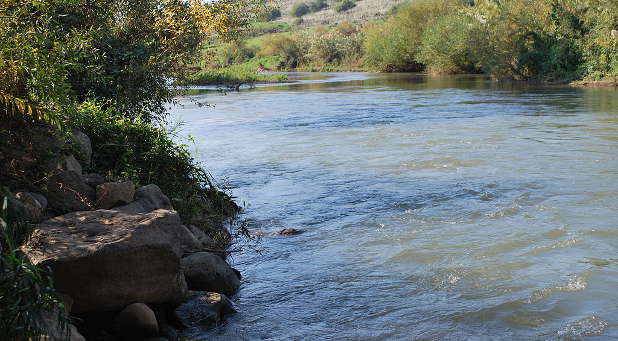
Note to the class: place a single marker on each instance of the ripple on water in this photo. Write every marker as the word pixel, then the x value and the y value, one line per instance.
pixel 558 245
pixel 575 331
pixel 575 283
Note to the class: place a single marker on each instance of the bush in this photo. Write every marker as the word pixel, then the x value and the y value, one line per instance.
pixel 345 5
pixel 235 52
pixel 289 49
pixel 447 45
pixel 300 9
pixel 270 14
pixel 318 5
pixel 393 45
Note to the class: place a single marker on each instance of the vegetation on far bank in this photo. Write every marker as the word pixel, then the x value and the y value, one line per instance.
pixel 232 76
pixel 534 40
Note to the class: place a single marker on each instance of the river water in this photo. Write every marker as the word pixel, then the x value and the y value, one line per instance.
pixel 435 208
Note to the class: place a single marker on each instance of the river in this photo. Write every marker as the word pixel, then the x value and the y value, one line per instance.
pixel 434 208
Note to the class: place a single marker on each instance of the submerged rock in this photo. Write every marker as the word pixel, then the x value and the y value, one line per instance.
pixel 204 309
pixel 289 232
pixel 106 260
pixel 112 194
pixel 135 322
pixel 206 271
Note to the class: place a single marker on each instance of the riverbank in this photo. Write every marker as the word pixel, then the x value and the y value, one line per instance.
pixel 71 207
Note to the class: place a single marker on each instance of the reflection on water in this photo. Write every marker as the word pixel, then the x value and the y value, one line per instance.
pixel 436 208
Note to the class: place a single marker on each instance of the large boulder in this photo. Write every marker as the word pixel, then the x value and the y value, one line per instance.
pixel 112 194
pixel 67 192
pixel 204 309
pixel 205 271
pixel 106 260
pixel 135 322
pixel 147 198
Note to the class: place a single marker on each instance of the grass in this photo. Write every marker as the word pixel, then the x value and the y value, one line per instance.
pixel 234 75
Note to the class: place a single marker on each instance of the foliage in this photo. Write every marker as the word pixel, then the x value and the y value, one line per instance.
pixel 345 5
pixel 546 40
pixel 393 45
pixel 318 5
pixel 270 14
pixel 262 28
pixel 290 50
pixel 300 9
pixel 232 76
pixel 13 108
pixel 342 45
pixel 58 52
pixel 447 45
pixel 26 291
pixel 235 52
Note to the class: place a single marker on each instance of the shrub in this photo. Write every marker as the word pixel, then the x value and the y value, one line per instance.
pixel 270 14
pixel 447 45
pixel 300 9
pixel 289 49
pixel 393 45
pixel 235 52
pixel 318 5
pixel 345 5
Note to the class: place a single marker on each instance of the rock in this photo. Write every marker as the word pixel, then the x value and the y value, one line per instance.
pixel 84 146
pixel 168 332
pixel 67 302
pixel 289 232
pixel 204 309
pixel 106 260
pixel 206 271
pixel 34 209
pixel 71 164
pixel 67 192
pixel 53 331
pixel 112 194
pixel 136 321
pixel 203 239
pixel 147 198
pixel 188 242
pixel 93 179
pixel 41 199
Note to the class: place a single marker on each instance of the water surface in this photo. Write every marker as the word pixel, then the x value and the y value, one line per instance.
pixel 435 208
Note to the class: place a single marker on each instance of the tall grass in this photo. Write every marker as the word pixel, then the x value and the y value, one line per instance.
pixel 27 296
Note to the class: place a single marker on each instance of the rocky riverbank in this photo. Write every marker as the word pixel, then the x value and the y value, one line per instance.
pixel 122 260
